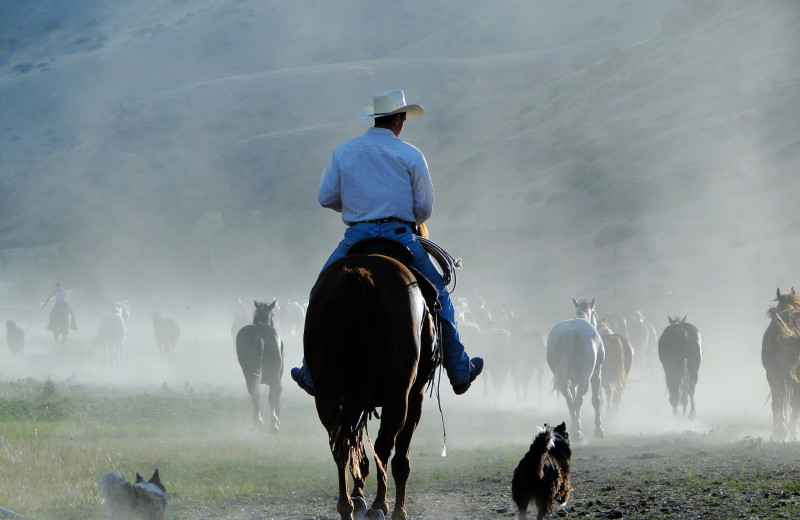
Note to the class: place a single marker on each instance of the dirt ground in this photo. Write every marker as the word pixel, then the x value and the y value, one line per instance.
pixel 688 477
pixel 685 476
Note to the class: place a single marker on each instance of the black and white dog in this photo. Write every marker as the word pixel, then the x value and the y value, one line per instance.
pixel 543 473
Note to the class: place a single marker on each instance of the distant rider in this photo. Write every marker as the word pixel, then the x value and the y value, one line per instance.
pixel 61 299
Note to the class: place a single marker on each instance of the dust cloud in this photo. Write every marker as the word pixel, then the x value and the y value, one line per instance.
pixel 640 154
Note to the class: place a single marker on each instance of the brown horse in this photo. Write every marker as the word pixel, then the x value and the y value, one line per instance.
pixel 617 363
pixel 368 342
pixel 780 352
pixel 680 353
pixel 259 350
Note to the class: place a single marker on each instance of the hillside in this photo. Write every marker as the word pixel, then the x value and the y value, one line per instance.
pixel 179 145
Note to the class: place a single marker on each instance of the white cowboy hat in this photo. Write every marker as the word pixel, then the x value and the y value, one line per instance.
pixel 390 102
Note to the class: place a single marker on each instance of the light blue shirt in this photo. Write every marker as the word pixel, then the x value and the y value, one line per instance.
pixel 376 176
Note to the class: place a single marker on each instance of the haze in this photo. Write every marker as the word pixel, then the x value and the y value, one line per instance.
pixel 640 153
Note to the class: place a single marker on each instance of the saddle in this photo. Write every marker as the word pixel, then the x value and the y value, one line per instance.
pixel 396 250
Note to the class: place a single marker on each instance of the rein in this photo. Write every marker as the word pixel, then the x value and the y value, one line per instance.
pixel 432 379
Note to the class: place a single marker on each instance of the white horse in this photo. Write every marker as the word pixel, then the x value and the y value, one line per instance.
pixel 112 332
pixel 575 355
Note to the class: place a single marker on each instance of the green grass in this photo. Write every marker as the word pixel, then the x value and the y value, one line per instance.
pixel 56 440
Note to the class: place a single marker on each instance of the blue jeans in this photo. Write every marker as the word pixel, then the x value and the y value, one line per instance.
pixel 454 358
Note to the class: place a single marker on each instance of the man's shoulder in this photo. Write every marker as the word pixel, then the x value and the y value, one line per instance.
pixel 355 141
pixel 379 137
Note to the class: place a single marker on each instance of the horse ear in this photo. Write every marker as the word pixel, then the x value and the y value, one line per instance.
pixel 778 293
pixel 792 291
pixel 139 478
pixel 155 478
pixel 669 318
pixel 272 305
pixel 575 302
pixel 684 318
pixel 592 306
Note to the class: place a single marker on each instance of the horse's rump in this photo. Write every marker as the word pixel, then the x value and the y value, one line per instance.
pixel 679 342
pixel 618 360
pixel 574 349
pixel 260 353
pixel 362 342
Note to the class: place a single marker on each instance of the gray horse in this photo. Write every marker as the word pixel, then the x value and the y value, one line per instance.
pixel 575 355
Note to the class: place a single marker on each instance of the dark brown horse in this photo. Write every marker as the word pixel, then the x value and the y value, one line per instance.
pixel 680 353
pixel 59 323
pixel 260 352
pixel 368 342
pixel 167 332
pixel 780 353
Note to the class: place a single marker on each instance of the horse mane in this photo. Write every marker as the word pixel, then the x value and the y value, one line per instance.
pixel 786 315
pixel 602 325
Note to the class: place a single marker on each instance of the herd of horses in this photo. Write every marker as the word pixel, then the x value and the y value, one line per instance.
pixel 364 301
pixel 111 335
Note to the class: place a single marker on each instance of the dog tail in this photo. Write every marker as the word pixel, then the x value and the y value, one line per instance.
pixel 109 481
pixel 542 443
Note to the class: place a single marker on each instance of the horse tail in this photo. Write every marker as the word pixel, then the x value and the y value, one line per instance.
pixel 356 362
pixel 617 363
pixel 249 351
pixel 684 379
pixel 561 378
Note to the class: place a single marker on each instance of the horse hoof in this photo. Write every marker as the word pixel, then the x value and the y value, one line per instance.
pixel 599 433
pixel 374 514
pixel 359 508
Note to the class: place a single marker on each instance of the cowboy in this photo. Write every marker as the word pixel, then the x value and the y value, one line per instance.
pixel 382 187
pixel 61 298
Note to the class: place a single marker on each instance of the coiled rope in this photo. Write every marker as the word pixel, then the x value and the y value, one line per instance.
pixel 447 263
